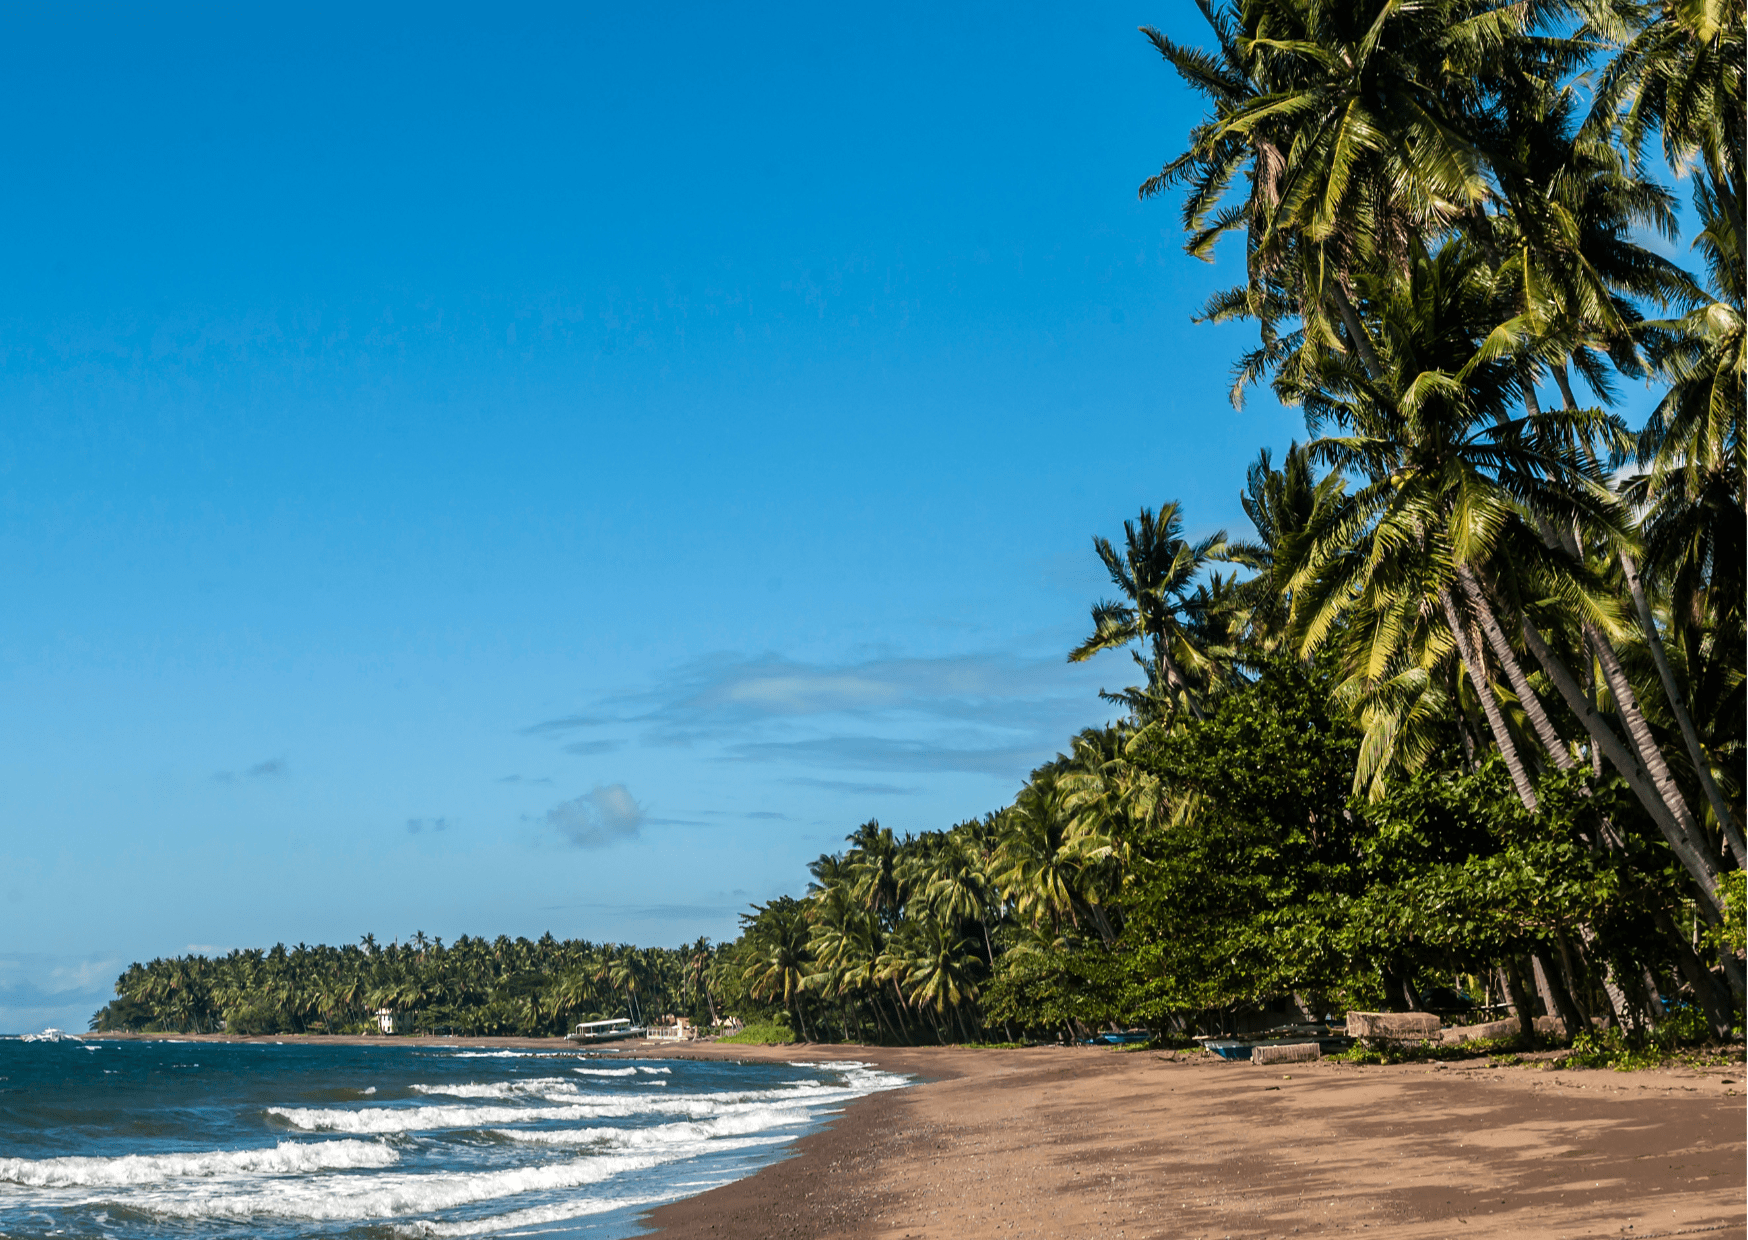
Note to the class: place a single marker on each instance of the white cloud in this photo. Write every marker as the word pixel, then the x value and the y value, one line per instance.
pixel 602 816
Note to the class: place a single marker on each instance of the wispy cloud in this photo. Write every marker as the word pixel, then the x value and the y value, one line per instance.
pixel 568 723
pixel 853 786
pixel 991 713
pixel 604 815
pixel 882 753
pixel 587 748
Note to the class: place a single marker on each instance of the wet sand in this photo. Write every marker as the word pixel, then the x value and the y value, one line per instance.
pixel 1090 1142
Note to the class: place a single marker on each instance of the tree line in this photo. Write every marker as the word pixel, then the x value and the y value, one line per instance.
pixel 1465 707
pixel 1460 717
pixel 474 986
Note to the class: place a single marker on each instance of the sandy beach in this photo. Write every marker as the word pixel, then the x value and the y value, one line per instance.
pixel 1087 1142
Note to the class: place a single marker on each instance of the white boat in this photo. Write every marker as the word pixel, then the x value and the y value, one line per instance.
pixel 605 1031
pixel 49 1035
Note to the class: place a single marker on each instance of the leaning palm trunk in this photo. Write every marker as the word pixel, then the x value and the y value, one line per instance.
pixel 1556 748
pixel 1690 852
pixel 1356 330
pixel 1489 705
pixel 1514 673
pixel 1639 731
pixel 1727 823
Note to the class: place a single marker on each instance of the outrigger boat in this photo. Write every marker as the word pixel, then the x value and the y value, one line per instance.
pixel 605 1031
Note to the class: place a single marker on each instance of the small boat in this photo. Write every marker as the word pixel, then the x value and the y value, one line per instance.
pixel 49 1035
pixel 1241 1048
pixel 605 1031
pixel 1121 1037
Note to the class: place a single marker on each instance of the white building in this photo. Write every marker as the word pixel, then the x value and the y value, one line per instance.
pixel 385 1019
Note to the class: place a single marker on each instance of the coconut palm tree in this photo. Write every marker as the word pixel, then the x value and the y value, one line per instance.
pixel 1355 129
pixel 780 962
pixel 1162 610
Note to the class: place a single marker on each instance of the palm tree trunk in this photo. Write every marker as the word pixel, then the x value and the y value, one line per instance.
pixel 1489 706
pixel 1174 677
pixel 1699 978
pixel 1639 732
pixel 1727 822
pixel 1102 924
pixel 1692 855
pixel 1555 996
pixel 1520 685
pixel 1521 1004
pixel 1356 330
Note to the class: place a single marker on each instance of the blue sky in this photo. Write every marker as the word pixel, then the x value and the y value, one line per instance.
pixel 489 474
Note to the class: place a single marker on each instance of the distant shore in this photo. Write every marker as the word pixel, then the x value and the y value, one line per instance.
pixel 1057 1141
pixel 349 1039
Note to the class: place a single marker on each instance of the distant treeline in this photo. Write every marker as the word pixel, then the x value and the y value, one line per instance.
pixel 473 986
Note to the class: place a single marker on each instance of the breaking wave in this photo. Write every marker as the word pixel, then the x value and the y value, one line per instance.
pixel 491 1151
pixel 286 1158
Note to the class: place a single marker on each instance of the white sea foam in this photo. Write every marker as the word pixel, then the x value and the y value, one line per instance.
pixel 590 1166
pixel 337 1198
pixel 286 1158
pixel 518 1221
pixel 606 1071
pixel 384 1120
pixel 750 1122
pixel 663 1071
pixel 538 1086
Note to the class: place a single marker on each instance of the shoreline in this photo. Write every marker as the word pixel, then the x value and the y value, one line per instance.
pixel 1055 1141
pixel 1052 1141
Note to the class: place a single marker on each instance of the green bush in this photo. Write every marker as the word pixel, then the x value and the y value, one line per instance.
pixel 761 1035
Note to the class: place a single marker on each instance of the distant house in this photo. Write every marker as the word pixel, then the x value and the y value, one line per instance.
pixel 385 1019
pixel 673 1029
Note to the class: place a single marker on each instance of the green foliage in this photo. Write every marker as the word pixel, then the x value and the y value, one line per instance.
pixel 1385 1052
pixel 1731 934
pixel 772 1034
pixel 473 986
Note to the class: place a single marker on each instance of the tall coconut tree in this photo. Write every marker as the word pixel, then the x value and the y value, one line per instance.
pixel 1162 609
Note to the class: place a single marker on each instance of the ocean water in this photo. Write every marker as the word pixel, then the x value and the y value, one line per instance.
pixel 191 1140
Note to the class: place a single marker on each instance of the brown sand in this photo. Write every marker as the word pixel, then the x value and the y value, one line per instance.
pixel 1097 1143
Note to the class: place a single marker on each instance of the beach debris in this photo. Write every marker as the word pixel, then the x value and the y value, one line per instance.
pixel 1393 1026
pixel 1301 1052
pixel 1546 1026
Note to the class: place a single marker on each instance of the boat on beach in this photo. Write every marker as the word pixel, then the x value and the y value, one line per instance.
pixel 605 1031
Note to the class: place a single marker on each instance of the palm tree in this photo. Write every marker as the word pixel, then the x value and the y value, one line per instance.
pixel 1035 866
pixel 1353 126
pixel 698 960
pixel 1679 74
pixel 1286 507
pixel 1156 573
pixel 776 934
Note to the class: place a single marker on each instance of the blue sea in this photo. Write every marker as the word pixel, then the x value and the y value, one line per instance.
pixel 201 1139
